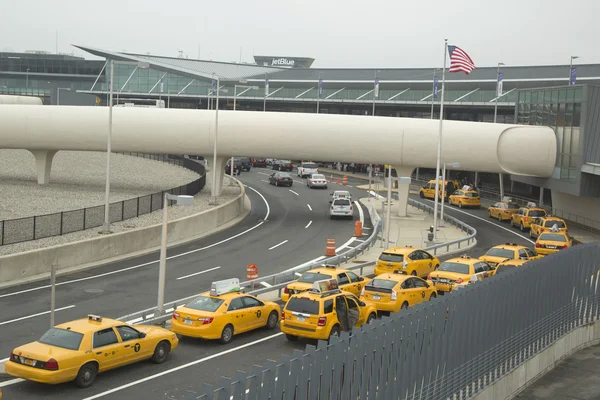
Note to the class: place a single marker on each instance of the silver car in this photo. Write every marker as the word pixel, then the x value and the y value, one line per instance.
pixel 340 208
pixel 316 181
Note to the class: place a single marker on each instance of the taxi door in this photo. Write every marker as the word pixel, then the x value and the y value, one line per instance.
pixel 356 284
pixel 133 346
pixel 345 284
pixel 356 315
pixel 428 190
pixel 536 226
pixel 237 314
pixel 421 290
pixel 107 349
pixel 255 313
pixel 408 292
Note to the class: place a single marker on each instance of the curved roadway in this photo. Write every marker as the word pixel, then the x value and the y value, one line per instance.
pixel 197 362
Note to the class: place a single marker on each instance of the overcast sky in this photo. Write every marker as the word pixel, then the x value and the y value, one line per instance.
pixel 337 33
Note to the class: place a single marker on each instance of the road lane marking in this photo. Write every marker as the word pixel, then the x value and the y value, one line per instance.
pixel 263 173
pixel 349 186
pixel 277 245
pixel 347 244
pixel 489 222
pixel 198 273
pixel 3 360
pixel 310 222
pixel 361 214
pixel 180 367
pixel 11 382
pixel 294 192
pixel 309 207
pixel 35 315
pixel 150 262
pixel 265 284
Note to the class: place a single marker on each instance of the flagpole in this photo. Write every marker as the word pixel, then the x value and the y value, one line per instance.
pixel 319 85
pixel 433 93
pixel 439 149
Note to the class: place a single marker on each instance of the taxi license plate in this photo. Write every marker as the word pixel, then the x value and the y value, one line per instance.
pixel 187 321
pixel 443 280
pixel 300 318
pixel 551 247
pixel 27 361
pixel 376 297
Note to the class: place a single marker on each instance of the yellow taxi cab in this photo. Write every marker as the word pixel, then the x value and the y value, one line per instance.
pixel 428 191
pixel 223 312
pixel 465 198
pixel 413 261
pixel 523 218
pixel 348 281
pixel 79 350
pixel 391 292
pixel 508 251
pixel 324 311
pixel 551 242
pixel 503 210
pixel 457 271
pixel 546 224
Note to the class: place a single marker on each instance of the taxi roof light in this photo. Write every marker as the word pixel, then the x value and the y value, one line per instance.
pixel 218 288
pixel 506 199
pixel 510 244
pixel 399 271
pixel 329 266
pixel 531 204
pixel 325 286
pixel 95 318
pixel 465 256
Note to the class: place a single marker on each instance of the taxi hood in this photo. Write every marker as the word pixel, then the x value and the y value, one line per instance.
pixel 151 330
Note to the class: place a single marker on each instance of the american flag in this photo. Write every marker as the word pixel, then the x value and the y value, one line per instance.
pixel 460 60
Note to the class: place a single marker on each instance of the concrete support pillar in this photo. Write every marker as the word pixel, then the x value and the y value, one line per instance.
pixel 541 196
pixel 403 189
pixel 219 169
pixel 501 187
pixel 43 164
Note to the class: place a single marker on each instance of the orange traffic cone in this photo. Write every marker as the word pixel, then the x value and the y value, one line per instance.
pixel 345 181
pixel 338 181
pixel 331 178
pixel 358 229
pixel 330 250
pixel 251 272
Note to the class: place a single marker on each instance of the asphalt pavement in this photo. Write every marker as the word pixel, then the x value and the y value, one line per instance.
pixel 197 362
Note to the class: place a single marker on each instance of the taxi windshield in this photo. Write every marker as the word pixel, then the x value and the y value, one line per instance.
pixel 512 206
pixel 382 285
pixel 471 194
pixel 204 303
pixel 309 165
pixel 312 277
pixel 536 213
pixel 62 338
pixel 454 267
pixel 504 253
pixel 302 305
pixel 391 257
pixel 553 237
pixel 551 223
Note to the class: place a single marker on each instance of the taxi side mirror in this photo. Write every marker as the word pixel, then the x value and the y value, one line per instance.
pixel 142 335
pixel 330 202
pixel 361 278
pixel 362 303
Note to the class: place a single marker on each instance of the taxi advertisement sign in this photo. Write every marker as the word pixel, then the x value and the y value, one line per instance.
pixel 325 285
pixel 225 286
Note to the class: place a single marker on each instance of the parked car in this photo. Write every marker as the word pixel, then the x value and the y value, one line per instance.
pixel 246 163
pixel 237 167
pixel 283 165
pixel 259 162
pixel 281 179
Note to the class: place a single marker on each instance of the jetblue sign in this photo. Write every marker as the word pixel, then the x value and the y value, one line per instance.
pixel 283 61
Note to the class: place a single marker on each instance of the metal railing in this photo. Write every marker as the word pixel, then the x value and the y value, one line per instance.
pixel 452 347
pixel 42 226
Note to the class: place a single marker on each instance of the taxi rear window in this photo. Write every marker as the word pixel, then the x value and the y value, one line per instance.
pixel 390 257
pixel 318 176
pixel 536 213
pixel 471 194
pixel 553 237
pixel 204 303
pixel 310 165
pixel 550 224
pixel 505 268
pixel 454 267
pixel 494 252
pixel 511 206
pixel 62 338
pixel 312 277
pixel 381 285
pixel 341 202
pixel 302 305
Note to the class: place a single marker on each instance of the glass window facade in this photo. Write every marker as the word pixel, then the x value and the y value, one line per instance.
pixel 560 109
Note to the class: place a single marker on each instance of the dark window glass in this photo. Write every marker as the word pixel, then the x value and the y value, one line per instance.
pixel 328 307
pixel 390 257
pixel 343 279
pixel 341 202
pixel 303 305
pixel 352 304
pixel 381 285
pixel 251 302
pixel 204 303
pixel 236 304
pixel 553 237
pixel 455 267
pixel 128 333
pixel 104 337
pixel 496 252
pixel 310 165
pixel 536 213
pixel 418 283
pixel 550 224
pixel 511 206
pixel 312 277
pixel 62 338
pixel 353 277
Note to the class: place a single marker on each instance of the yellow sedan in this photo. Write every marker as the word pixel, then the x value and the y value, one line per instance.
pixel 221 314
pixel 465 198
pixel 79 350
pixel 413 261
pixel 396 291
pixel 551 242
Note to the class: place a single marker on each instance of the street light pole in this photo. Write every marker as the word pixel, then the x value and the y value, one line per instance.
pixel 375 84
pixel 570 69
pixel 319 92
pixel 234 96
pixel 497 94
pixel 52 293
pixel 27 80
pixel 439 146
pixel 106 225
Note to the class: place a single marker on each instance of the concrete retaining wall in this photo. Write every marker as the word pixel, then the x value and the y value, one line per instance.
pixel 36 264
pixel 519 379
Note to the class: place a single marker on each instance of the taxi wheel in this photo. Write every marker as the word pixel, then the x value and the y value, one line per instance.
pixel 433 296
pixel 499 218
pixel 491 215
pixel 335 331
pixel 522 227
pixel 404 306
pixel 459 205
pixel 161 352
pixel 372 316
pixel 272 320
pixel 227 334
pixel 86 375
pixel 422 195
pixel 291 338
pixel 414 273
pixel 530 234
pixel 512 223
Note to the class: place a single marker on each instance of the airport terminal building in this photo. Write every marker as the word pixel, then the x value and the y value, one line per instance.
pixel 537 95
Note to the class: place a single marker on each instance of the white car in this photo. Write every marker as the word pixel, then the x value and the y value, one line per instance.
pixel 316 181
pixel 341 208
pixel 306 169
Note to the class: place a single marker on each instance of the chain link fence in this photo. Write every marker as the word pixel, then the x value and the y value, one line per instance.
pixel 43 226
pixel 450 348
